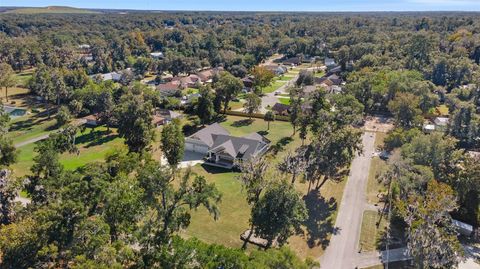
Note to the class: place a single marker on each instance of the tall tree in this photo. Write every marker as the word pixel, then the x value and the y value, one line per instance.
pixel 282 201
pixel 228 87
pixel 7 78
pixel 205 107
pixel 252 104
pixel 269 117
pixel 134 117
pixel 170 204
pixel 432 237
pixel 173 143
pixel 405 109
pixel 262 77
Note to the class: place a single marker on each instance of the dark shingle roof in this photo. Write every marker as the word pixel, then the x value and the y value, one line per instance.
pixel 236 146
pixel 206 134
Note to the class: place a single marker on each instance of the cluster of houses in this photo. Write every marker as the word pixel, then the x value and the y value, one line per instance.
pixel 172 85
pixel 331 83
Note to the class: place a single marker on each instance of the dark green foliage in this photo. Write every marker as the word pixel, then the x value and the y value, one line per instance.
pixel 173 143
pixel 134 116
pixel 279 213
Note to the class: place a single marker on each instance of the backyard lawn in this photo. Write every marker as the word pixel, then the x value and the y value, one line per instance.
pixel 235 212
pixel 23 77
pixel 30 126
pixel 92 146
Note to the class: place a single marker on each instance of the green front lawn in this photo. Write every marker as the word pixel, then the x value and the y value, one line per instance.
pixel 284 100
pixel 274 86
pixel 234 105
pixel 377 167
pixel 286 77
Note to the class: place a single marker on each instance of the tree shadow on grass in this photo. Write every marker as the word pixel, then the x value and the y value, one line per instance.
pixel 95 138
pixel 241 123
pixel 215 170
pixel 320 222
pixel 280 145
pixel 28 123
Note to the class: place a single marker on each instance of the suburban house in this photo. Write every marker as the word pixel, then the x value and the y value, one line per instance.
pixel 336 80
pixel 276 69
pixel 157 120
pixel 281 109
pixel 293 61
pixel 169 89
pixel 157 55
pixel 441 124
pixel 207 75
pixel 222 149
pixel 115 76
pixel 168 115
pixel 164 116
pixel 187 82
pixel 91 120
pixel 329 62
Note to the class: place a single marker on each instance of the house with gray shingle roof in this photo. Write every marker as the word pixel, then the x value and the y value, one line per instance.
pixel 222 149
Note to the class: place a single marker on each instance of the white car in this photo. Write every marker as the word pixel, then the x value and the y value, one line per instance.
pixel 277 93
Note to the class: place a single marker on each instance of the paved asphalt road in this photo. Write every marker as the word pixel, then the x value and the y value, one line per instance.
pixel 342 251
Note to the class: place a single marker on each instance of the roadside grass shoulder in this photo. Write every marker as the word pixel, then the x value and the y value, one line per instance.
pixel 371 233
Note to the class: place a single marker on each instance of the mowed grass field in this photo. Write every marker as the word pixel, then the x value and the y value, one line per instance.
pixel 93 146
pixel 235 212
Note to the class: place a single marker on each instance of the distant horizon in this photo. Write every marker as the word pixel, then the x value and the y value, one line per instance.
pixel 259 5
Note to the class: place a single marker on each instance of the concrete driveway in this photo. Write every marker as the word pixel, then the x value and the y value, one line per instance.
pixel 189 159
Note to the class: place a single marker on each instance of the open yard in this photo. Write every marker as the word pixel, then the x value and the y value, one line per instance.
pixel 30 126
pixel 274 86
pixel 93 146
pixel 23 77
pixel 235 212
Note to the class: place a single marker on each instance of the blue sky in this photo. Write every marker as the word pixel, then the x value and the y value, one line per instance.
pixel 262 5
